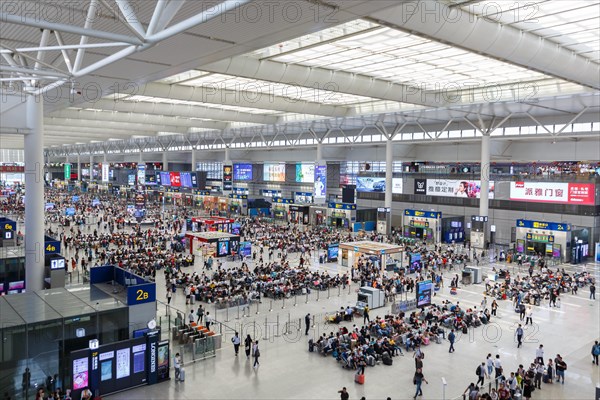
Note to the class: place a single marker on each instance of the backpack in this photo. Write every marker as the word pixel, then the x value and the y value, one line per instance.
pixel 596 350
pixel 478 370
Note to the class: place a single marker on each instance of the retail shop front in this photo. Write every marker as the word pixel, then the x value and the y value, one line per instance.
pixel 213 244
pixel 280 208
pixel 212 224
pixel 238 204
pixel 318 215
pixel 384 256
pixel 422 225
pixel 550 239
pixel 341 215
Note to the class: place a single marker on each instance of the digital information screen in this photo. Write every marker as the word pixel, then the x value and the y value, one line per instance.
pixel 424 289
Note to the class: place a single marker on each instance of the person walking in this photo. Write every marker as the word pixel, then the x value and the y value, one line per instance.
pixel 480 371
pixel 561 366
pixel 529 315
pixel 521 311
pixel 248 346
pixel 191 317
pixel 494 307
pixel 418 380
pixel 199 314
pixel 169 295
pixel 593 291
pixel 451 338
pixel 366 315
pixel 490 365
pixel 519 335
pixel 344 395
pixel 539 355
pixel 208 320
pixel 498 366
pixel 256 354
pixel 595 352
pixel 177 366
pixel 307 323
pixel 236 343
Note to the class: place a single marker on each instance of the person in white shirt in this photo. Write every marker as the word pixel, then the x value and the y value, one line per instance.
pixel 539 355
pixel 490 365
pixel 529 315
pixel 498 366
pixel 177 366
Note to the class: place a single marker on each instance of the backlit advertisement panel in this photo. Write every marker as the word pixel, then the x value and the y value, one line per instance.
pixel 175 179
pixel 553 192
pixel 305 173
pixel 455 188
pixel 274 172
pixel 320 181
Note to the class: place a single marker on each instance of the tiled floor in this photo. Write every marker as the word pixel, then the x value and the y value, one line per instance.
pixel 289 371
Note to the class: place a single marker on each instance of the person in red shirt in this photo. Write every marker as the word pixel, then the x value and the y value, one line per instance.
pixel 503 392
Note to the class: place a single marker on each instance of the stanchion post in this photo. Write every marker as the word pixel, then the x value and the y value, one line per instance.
pixel 339 291
pixel 270 305
pixel 328 293
pixel 318 295
pixel 266 336
pixel 277 327
pixel 295 299
pixel 257 304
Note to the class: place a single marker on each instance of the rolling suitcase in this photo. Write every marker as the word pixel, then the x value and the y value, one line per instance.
pixel 182 374
pixel 360 379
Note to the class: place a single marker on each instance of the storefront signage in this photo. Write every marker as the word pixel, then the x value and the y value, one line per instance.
pixel 553 192
pixel 281 200
pixel 451 188
pixel 549 226
pixel 535 237
pixel 271 193
pixel 419 224
pixel 477 218
pixel 342 206
pixel 227 177
pixel 423 214
pixel 11 168
pixel 203 192
pixel 238 196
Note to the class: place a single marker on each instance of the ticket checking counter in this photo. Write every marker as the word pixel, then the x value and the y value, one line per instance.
pixel 341 215
pixel 551 239
pixel 238 204
pixel 422 225
pixel 213 244
pixel 351 252
pixel 212 224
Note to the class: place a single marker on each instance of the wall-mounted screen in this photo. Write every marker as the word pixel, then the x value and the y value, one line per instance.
pixel 165 179
pixel 80 373
pixel 274 172
pixel 242 172
pixel 305 173
pixel 186 179
pixel 175 179
pixel 424 293
pixel 123 363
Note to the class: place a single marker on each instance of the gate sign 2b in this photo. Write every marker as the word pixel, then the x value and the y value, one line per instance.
pixel 140 294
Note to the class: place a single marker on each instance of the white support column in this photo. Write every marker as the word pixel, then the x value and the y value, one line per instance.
pixel 227 159
pixel 91 167
pixel 319 153
pixel 165 160
pixel 34 200
pixel 78 168
pixel 485 176
pixel 389 172
pixel 141 159
pixel 193 159
pixel 105 157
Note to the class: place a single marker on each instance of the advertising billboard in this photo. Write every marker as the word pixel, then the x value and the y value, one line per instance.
pixel 451 188
pixel 80 373
pixel 377 184
pixel 141 174
pixel 553 192
pixel 175 179
pixel 274 172
pixel 227 177
pixel 305 173
pixel 105 172
pixel 242 172
pixel 320 181
pixel 424 290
